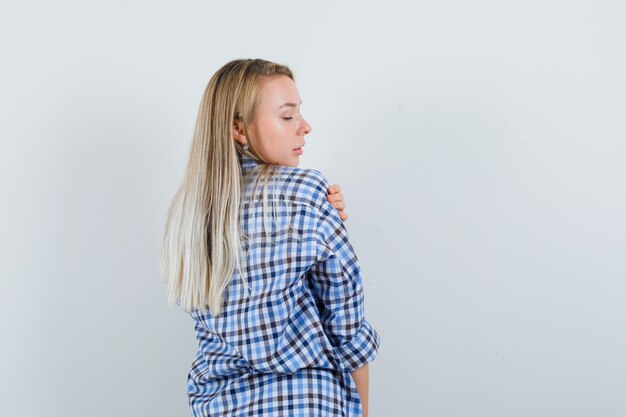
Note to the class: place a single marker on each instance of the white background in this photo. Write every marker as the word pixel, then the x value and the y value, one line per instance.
pixel 481 149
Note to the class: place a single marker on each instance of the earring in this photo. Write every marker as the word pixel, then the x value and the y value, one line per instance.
pixel 245 146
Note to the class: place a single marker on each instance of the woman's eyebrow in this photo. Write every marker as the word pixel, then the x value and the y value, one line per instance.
pixel 288 104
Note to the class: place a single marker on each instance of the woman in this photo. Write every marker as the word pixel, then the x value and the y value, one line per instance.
pixel 256 240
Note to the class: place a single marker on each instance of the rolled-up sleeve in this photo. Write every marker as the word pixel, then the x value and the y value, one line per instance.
pixel 337 283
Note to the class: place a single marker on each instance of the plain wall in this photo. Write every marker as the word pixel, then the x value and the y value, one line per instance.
pixel 480 147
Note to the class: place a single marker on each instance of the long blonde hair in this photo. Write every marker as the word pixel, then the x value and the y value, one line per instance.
pixel 202 240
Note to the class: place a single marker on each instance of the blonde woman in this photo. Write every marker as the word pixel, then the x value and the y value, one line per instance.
pixel 256 252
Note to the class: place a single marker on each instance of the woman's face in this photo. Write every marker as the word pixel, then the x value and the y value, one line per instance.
pixel 279 128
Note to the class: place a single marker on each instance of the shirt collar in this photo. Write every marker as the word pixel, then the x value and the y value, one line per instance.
pixel 247 162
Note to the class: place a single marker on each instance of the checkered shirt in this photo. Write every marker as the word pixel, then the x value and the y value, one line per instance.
pixel 286 345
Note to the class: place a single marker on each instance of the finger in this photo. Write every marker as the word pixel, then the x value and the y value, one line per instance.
pixel 335 197
pixel 339 205
pixel 333 189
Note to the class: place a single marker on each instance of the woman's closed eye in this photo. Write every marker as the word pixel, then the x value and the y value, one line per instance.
pixel 289 118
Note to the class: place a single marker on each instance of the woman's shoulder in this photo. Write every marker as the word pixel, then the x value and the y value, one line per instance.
pixel 304 184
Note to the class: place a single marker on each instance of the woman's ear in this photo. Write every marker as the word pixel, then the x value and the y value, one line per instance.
pixel 238 133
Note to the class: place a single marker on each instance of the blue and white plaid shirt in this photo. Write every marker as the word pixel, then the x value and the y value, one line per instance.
pixel 286 345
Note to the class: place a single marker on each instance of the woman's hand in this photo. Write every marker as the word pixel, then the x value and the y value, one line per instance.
pixel 336 199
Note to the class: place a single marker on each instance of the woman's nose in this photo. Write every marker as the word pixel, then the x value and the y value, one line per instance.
pixel 306 127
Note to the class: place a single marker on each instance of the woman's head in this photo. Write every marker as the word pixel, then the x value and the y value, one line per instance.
pixel 254 102
pixel 278 127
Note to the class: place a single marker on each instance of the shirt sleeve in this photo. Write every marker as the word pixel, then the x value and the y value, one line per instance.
pixel 336 281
